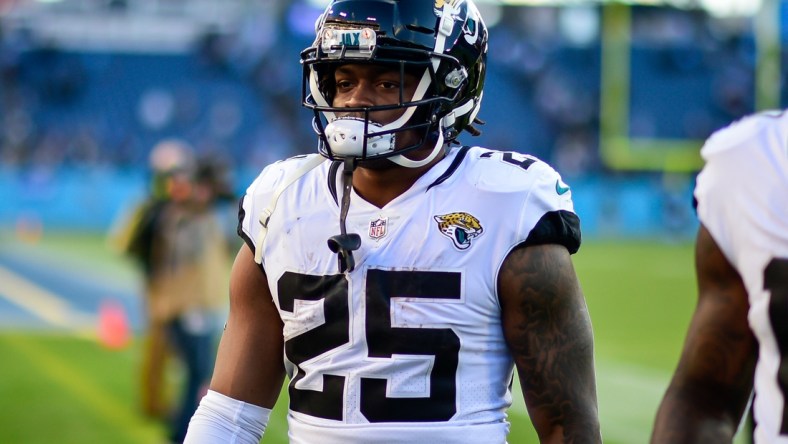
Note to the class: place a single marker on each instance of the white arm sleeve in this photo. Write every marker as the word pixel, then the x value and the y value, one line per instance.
pixel 220 419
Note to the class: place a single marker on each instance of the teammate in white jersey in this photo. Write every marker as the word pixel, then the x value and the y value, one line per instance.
pixel 405 278
pixel 738 337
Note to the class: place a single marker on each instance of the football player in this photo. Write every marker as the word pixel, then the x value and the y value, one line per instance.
pixel 738 337
pixel 398 284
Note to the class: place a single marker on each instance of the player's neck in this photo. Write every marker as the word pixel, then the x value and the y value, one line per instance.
pixel 379 186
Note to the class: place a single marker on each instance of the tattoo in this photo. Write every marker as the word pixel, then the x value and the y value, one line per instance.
pixel 548 330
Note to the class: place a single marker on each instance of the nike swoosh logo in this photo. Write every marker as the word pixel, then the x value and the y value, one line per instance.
pixel 560 187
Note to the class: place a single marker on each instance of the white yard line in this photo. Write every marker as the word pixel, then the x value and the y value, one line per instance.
pixel 42 303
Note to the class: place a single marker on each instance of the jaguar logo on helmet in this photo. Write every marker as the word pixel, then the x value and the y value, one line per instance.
pixel 470 28
pixel 439 5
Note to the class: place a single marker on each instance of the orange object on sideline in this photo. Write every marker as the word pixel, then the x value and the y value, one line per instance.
pixel 113 325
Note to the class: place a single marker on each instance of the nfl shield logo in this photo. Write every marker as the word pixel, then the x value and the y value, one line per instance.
pixel 377 228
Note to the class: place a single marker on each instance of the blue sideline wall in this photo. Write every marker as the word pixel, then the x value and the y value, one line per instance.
pixel 91 199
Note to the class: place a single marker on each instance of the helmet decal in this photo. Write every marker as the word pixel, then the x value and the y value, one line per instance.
pixel 441 4
pixel 471 27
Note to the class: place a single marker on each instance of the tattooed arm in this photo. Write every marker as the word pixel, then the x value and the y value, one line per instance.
pixel 548 329
pixel 712 383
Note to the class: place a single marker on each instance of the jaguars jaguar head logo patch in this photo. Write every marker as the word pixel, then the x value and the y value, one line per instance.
pixel 460 227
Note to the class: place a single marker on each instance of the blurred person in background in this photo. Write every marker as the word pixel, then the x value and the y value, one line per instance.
pixel 411 330
pixel 738 337
pixel 178 239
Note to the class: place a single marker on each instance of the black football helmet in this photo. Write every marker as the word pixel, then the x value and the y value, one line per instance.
pixel 444 42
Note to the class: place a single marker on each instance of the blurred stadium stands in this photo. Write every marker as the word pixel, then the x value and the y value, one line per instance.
pixel 87 87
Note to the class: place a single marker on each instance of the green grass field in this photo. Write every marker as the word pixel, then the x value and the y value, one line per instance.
pixel 69 389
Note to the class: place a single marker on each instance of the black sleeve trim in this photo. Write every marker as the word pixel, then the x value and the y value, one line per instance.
pixel 695 199
pixel 241 217
pixel 556 227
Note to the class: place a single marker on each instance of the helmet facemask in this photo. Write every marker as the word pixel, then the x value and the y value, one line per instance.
pixel 352 131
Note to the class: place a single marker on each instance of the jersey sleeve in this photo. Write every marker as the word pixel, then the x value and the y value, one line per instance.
pixel 731 191
pixel 253 202
pixel 548 216
pixel 260 195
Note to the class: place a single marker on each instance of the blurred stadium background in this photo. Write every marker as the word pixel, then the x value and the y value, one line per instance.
pixel 618 96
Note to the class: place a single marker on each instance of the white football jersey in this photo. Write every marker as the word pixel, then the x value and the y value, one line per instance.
pixel 408 347
pixel 742 198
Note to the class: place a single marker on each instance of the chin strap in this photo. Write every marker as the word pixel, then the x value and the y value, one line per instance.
pixel 343 243
pixel 401 160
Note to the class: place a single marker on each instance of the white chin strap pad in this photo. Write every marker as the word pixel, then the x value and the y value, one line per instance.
pixel 346 138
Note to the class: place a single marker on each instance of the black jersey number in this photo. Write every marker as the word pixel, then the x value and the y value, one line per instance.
pixel 775 279
pixel 521 160
pixel 383 341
